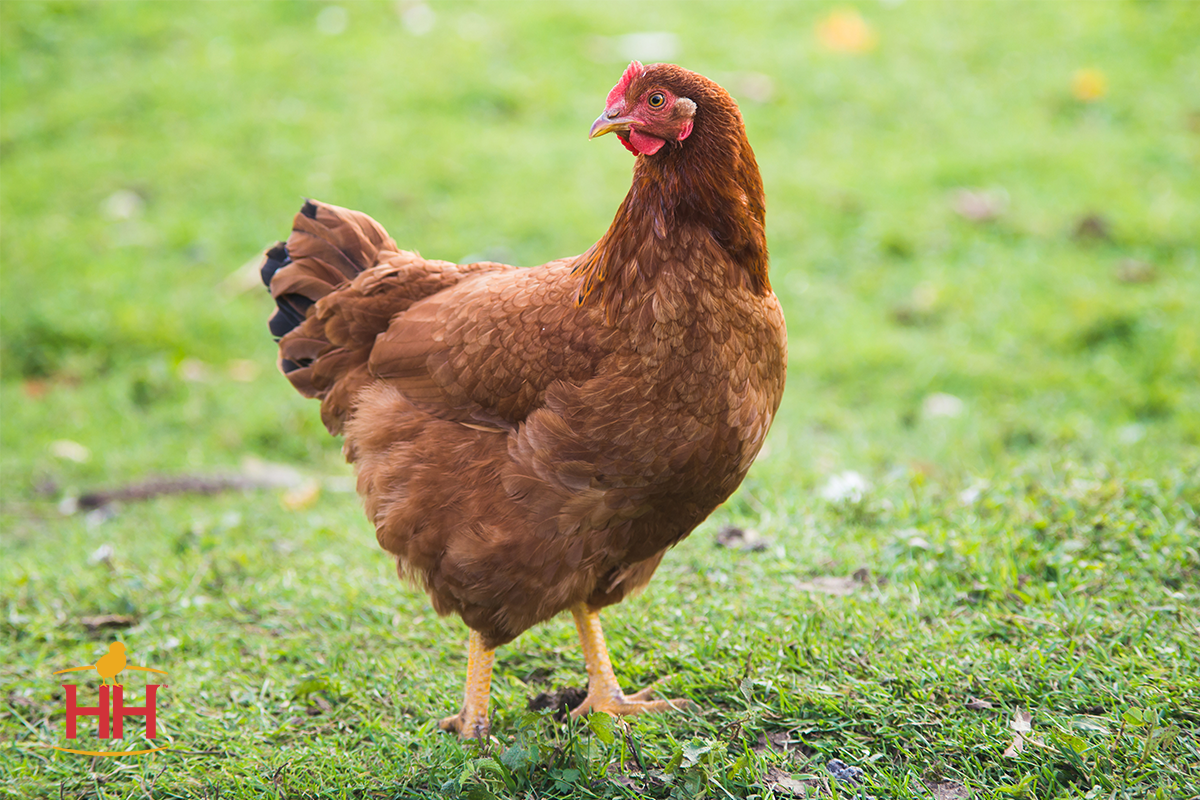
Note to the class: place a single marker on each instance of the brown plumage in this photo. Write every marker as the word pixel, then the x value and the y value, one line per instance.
pixel 529 441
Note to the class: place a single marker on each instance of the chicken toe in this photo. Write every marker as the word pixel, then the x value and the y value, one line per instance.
pixel 468 724
pixel 604 692
pixel 619 704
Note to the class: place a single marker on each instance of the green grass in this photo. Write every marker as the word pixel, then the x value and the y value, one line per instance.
pixel 1039 551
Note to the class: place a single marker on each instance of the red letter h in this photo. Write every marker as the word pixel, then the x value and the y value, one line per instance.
pixel 100 711
pixel 119 710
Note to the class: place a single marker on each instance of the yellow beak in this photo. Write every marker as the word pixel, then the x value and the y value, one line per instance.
pixel 607 124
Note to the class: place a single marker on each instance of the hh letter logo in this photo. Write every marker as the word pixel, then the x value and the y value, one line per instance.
pixel 111 715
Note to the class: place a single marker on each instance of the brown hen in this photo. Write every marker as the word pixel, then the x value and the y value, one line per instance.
pixel 531 441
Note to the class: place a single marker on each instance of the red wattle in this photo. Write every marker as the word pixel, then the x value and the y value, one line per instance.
pixel 646 144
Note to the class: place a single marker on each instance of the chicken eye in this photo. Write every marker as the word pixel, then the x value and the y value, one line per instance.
pixel 657 100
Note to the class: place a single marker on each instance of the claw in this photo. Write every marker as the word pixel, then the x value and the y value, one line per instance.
pixel 604 693
pixel 467 725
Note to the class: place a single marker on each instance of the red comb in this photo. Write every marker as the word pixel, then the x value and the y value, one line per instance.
pixel 632 71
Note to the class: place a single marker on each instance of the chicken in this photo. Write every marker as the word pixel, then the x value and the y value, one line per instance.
pixel 532 441
pixel 112 663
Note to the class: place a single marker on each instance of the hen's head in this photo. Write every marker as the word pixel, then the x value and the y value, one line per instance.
pixel 651 106
pixel 696 168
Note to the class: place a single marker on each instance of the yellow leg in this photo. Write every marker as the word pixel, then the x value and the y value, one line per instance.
pixel 604 693
pixel 472 722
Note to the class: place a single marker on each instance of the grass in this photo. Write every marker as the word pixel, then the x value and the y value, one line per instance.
pixel 1017 396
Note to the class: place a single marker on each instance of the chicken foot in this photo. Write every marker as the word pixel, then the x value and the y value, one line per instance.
pixel 604 693
pixel 472 722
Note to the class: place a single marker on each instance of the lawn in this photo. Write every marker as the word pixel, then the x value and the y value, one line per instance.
pixel 974 522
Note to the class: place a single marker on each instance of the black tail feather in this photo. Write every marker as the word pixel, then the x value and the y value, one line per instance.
pixel 277 259
pixel 327 248
pixel 290 312
pixel 291 308
pixel 287 365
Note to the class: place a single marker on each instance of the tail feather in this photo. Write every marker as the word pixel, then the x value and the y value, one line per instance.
pixel 327 248
pixel 338 282
pixel 275 258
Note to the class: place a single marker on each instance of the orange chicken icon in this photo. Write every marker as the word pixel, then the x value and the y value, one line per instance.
pixel 111 664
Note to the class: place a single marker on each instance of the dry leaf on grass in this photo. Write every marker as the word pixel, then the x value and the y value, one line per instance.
pixel 102 555
pixel 940 404
pixel 301 497
pixel 68 450
pixel 848 486
pixel 1021 723
pixel 772 740
pixel 1133 271
pixel 615 776
pixel 750 541
pixel 782 742
pixel 1094 227
pixel 102 621
pixel 243 370
pixel 947 790
pixel 318 705
pixel 980 205
pixel 779 780
pixel 18 701
pixel 754 86
pixel 845 31
pixel 35 388
pixel 1089 85
pixel 920 308
pixel 828 584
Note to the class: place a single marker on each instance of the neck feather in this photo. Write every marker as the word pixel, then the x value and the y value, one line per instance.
pixel 710 183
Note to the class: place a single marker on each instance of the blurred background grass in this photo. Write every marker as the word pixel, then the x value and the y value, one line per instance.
pixel 983 222
pixel 148 150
